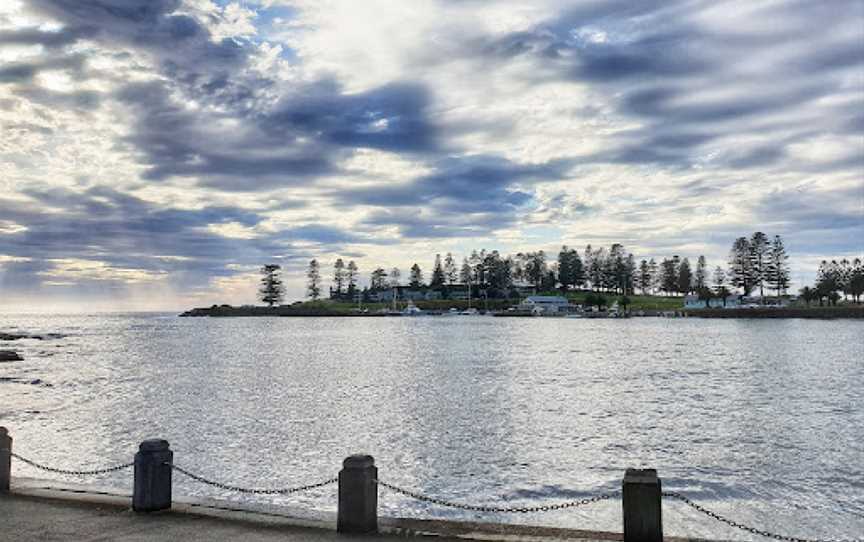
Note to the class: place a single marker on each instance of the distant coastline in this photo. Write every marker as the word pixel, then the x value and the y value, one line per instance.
pixel 319 310
pixel 823 313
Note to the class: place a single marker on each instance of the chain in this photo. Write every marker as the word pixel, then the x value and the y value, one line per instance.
pixel 71 472
pixel 513 510
pixel 252 491
pixel 751 530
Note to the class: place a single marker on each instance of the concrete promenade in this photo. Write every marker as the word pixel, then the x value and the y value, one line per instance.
pixel 37 510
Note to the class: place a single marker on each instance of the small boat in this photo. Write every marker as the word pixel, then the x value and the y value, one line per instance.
pixel 412 310
pixel 470 311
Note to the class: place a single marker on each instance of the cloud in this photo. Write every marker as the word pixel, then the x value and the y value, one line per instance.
pixel 466 196
pixel 185 140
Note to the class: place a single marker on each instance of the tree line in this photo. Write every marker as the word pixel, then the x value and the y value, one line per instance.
pixel 755 262
pixel 834 281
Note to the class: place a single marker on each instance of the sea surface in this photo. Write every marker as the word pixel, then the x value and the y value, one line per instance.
pixel 759 420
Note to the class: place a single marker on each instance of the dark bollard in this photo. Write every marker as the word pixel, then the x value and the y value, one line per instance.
pixel 5 460
pixel 358 496
pixel 152 490
pixel 641 501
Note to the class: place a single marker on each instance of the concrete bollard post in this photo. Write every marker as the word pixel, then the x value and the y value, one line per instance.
pixel 358 496
pixel 152 491
pixel 5 460
pixel 641 502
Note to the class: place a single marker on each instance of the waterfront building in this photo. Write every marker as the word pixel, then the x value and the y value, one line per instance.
pixel 545 304
pixel 693 302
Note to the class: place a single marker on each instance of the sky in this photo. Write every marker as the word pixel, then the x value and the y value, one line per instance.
pixel 155 153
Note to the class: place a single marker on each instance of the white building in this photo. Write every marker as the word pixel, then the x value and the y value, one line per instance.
pixel 548 304
pixel 693 302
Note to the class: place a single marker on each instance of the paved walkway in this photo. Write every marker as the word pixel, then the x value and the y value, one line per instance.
pixel 26 519
pixel 37 510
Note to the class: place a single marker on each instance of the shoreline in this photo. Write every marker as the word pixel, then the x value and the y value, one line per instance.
pixel 821 313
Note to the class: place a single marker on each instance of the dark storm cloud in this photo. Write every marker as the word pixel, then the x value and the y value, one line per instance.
pixel 392 117
pixel 461 184
pixel 299 138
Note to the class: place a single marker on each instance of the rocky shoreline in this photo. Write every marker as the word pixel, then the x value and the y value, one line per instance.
pixel 218 311
pixel 822 313
pixel 12 355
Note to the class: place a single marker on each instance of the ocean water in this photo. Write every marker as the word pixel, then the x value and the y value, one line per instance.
pixel 761 421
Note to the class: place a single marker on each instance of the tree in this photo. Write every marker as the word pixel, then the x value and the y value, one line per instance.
pixel 451 274
pixel 741 274
pixel 685 277
pixel 588 265
pixel 758 253
pixel 723 293
pixel 720 289
pixel 313 284
pixel 565 272
pixel 777 268
pixel 827 280
pixel 596 271
pixel 629 274
pixel 856 281
pixel 534 264
pixel 654 271
pixel 476 262
pixel 668 276
pixel 700 279
pixel 570 270
pixel 271 291
pixel 351 276
pixel 548 281
pixel 808 294
pixel 624 301
pixel 438 278
pixel 595 300
pixel 378 281
pixel 339 275
pixel 719 278
pixel 416 278
pixel 498 273
pixel 645 278
pixel 705 294
pixel 395 275
pixel 465 272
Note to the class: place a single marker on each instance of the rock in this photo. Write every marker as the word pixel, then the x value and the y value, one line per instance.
pixel 10 355
pixel 43 337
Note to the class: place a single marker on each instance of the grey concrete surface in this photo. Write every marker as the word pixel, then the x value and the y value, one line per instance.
pixel 38 510
pixel 26 519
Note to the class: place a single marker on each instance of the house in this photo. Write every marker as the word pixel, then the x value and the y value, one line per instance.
pixel 404 293
pixel 693 302
pixel 545 304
